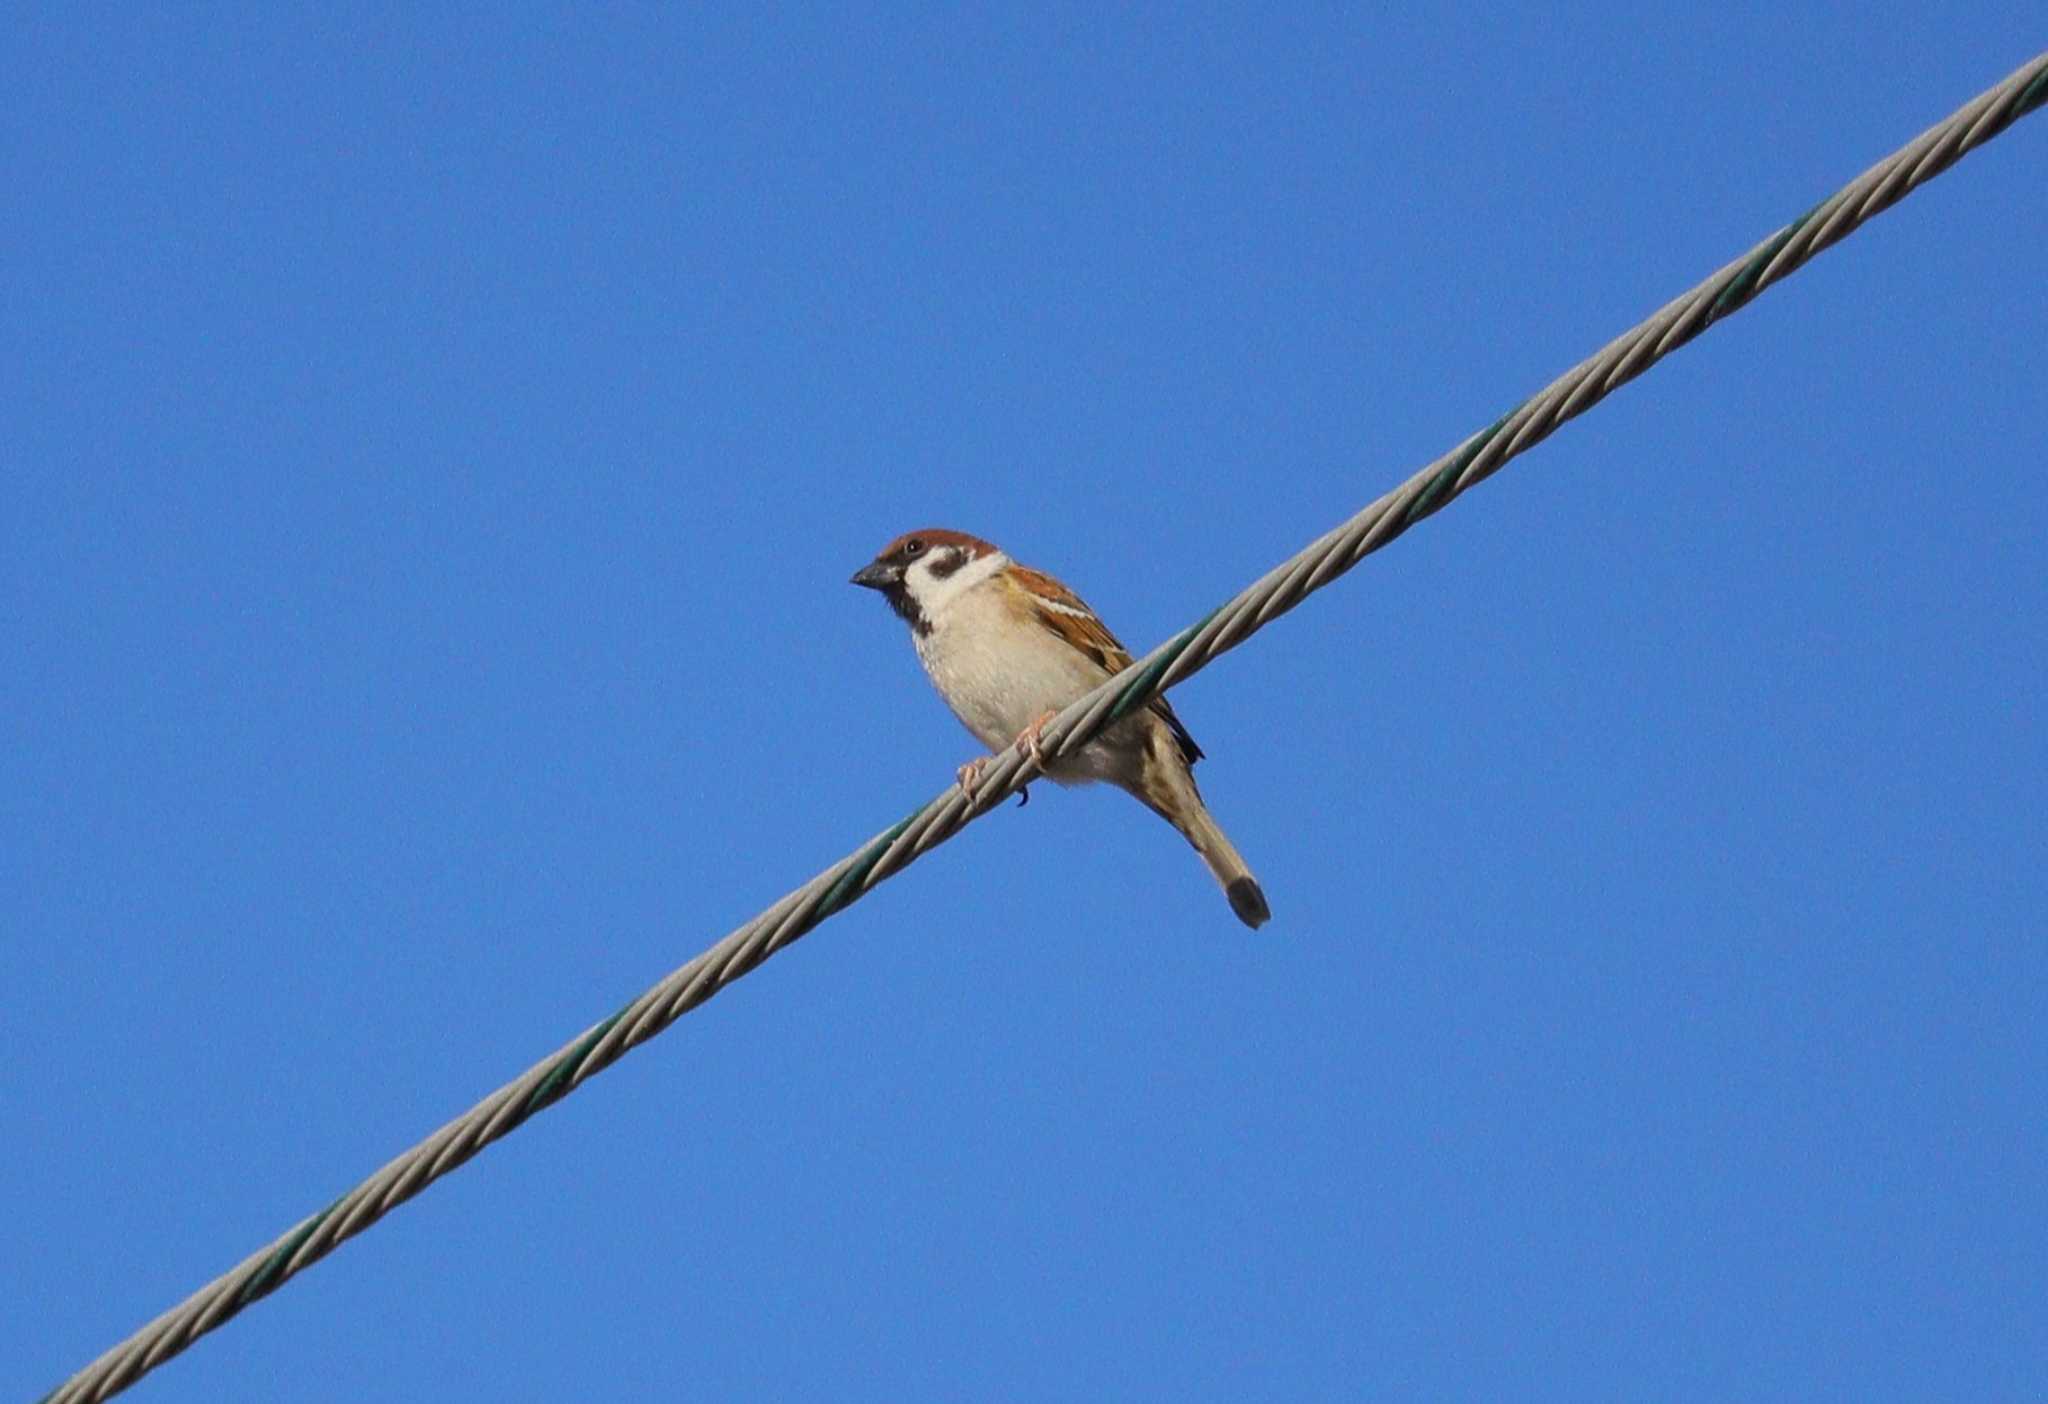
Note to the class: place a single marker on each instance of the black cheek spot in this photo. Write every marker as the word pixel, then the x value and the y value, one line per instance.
pixel 947 564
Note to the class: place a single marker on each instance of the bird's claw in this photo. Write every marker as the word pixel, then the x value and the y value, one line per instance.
pixel 969 775
pixel 1030 738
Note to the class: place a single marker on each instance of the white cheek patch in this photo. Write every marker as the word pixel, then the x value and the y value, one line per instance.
pixel 934 592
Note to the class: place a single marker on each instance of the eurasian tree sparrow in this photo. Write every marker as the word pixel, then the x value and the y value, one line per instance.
pixel 1008 647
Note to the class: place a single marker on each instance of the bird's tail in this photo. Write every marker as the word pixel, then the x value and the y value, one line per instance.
pixel 1169 791
pixel 1226 864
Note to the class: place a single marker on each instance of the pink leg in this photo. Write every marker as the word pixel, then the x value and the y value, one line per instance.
pixel 969 775
pixel 1028 738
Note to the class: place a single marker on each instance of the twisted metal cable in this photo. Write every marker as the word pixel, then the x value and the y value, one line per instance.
pixel 1186 653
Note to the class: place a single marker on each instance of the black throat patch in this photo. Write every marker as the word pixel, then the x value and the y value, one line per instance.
pixel 907 610
pixel 945 562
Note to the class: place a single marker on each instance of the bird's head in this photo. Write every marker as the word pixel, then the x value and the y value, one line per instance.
pixel 921 573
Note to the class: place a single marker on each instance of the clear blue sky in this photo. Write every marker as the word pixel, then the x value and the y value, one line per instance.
pixel 434 453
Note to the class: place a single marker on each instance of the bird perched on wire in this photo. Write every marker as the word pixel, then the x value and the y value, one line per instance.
pixel 1008 647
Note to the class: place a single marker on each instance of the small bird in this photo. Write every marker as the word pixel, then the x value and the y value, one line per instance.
pixel 1008 647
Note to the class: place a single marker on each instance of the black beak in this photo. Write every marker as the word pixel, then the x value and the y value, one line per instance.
pixel 877 575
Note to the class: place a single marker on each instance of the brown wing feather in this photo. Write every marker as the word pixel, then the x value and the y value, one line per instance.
pixel 1063 613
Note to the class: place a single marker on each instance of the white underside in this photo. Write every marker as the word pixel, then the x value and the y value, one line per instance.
pixel 1000 672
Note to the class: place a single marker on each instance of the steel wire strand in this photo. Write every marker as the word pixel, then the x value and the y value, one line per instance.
pixel 1186 653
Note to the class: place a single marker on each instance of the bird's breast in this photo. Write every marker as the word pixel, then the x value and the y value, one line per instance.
pixel 998 672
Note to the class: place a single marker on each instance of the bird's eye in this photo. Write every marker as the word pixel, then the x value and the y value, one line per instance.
pixel 913 547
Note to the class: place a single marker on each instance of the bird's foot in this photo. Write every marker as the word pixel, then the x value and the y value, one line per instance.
pixel 1028 738
pixel 969 775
